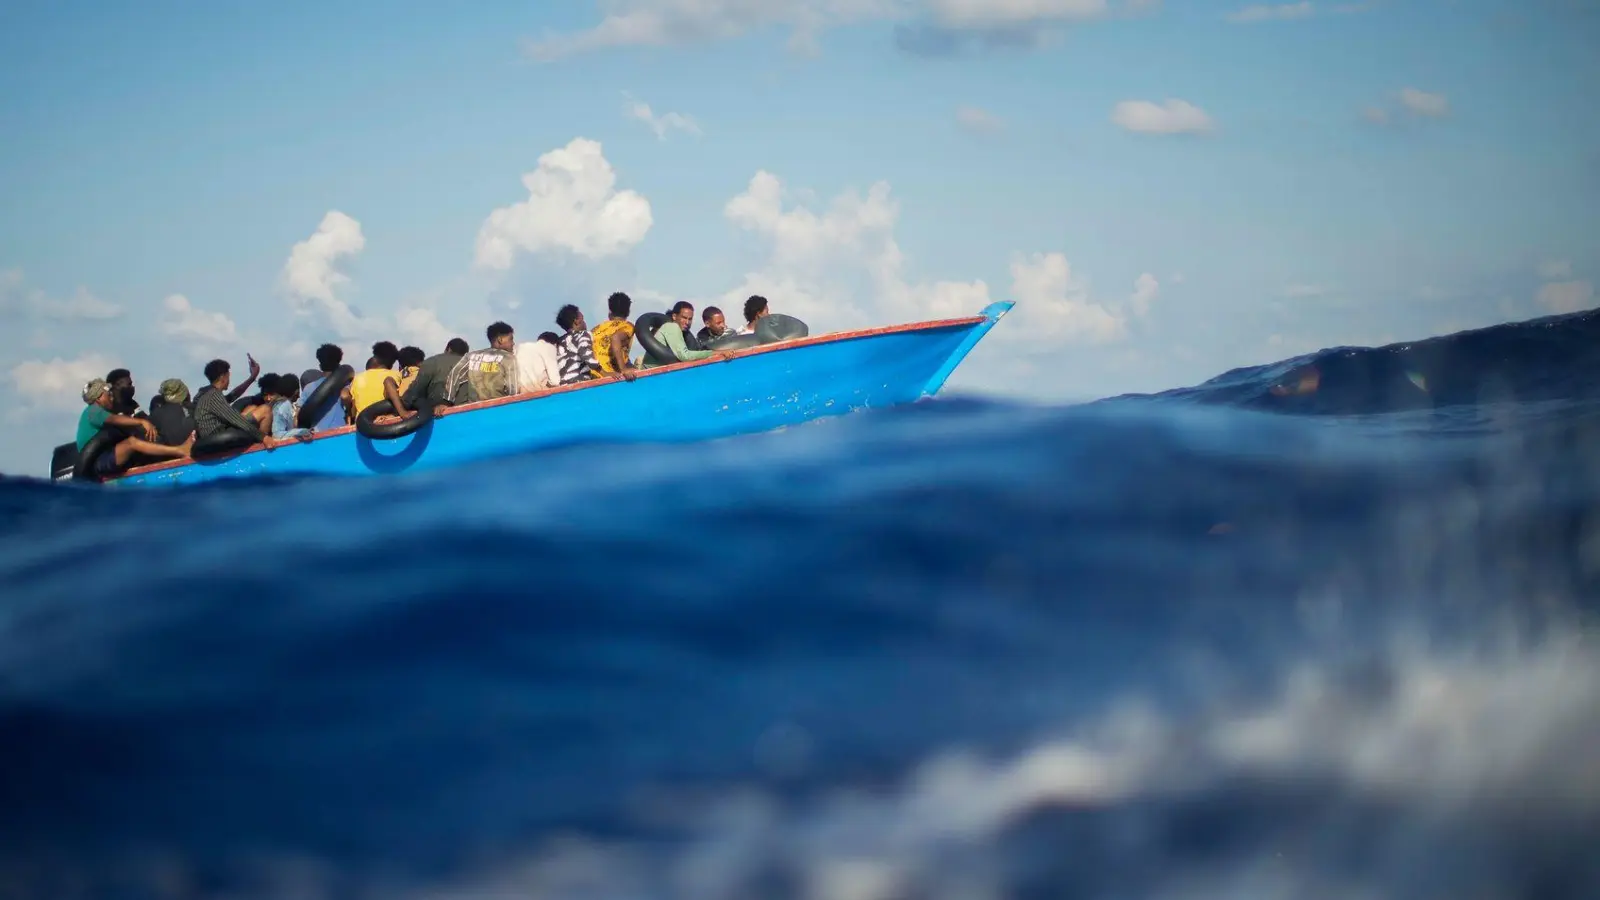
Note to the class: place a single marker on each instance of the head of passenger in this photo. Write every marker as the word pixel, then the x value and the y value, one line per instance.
pixel 218 374
pixel 97 393
pixel 309 376
pixel 755 308
pixel 121 381
pixel 411 357
pixel 387 352
pixel 288 388
pixel 620 305
pixel 376 363
pixel 174 391
pixel 551 338
pixel 458 346
pixel 570 318
pixel 682 313
pixel 329 358
pixel 269 384
pixel 716 323
pixel 502 336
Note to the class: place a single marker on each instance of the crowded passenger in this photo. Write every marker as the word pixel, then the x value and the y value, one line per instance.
pixel 376 384
pixel 613 338
pixel 575 353
pixel 431 386
pixel 754 308
pixel 671 335
pixel 123 402
pixel 285 394
pixel 98 397
pixel 171 413
pixel 716 326
pixel 255 372
pixel 329 359
pixel 410 360
pixel 387 353
pixel 538 367
pixel 487 374
pixel 214 415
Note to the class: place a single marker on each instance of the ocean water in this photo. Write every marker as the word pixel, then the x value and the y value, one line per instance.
pixel 1322 629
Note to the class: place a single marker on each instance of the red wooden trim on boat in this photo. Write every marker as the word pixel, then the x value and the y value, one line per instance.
pixel 585 385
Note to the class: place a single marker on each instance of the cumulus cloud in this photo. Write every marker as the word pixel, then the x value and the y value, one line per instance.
pixel 978 121
pixel 659 23
pixel 199 333
pixel 55 385
pixel 1146 289
pixel 1169 117
pixel 18 298
pixel 421 326
pixel 1059 303
pixel 1267 12
pixel 573 207
pixel 662 124
pixel 312 274
pixel 1411 103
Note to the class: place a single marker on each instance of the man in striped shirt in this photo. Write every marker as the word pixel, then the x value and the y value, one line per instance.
pixel 213 413
pixel 575 354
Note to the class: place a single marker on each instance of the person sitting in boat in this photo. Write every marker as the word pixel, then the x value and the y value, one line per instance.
pixel 538 367
pixel 329 358
pixel 236 393
pixel 171 413
pixel 285 394
pixel 487 374
pixel 387 353
pixel 123 401
pixel 213 408
pixel 410 362
pixel 378 382
pixel 431 386
pixel 575 354
pixel 613 338
pixel 671 333
pixel 754 308
pixel 716 326
pixel 98 398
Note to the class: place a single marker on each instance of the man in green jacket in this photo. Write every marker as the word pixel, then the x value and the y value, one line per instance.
pixel 671 334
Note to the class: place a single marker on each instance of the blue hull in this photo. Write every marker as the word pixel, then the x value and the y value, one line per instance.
pixel 758 390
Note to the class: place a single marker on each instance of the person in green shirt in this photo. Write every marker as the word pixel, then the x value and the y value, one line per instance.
pixel 671 334
pixel 97 414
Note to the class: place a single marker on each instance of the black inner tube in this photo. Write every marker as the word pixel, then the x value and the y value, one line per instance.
pixel 367 424
pixel 644 331
pixel 734 342
pixel 316 404
pixel 778 327
pixel 224 441
pixel 104 442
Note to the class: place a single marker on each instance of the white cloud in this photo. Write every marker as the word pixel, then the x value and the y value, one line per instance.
pixel 1554 270
pixel 201 334
pixel 1421 103
pixel 1058 304
pixel 1146 289
pixel 640 111
pixel 1567 296
pixel 661 23
pixel 55 385
pixel 1267 12
pixel 573 207
pixel 421 326
pixel 979 121
pixel 17 298
pixel 1169 117
pixel 312 273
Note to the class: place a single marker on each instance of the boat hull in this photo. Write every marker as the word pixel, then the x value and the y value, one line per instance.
pixel 758 390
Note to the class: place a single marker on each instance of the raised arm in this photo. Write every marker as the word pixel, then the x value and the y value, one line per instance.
pixel 255 370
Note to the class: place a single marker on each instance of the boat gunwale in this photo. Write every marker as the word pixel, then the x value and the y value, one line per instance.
pixel 778 346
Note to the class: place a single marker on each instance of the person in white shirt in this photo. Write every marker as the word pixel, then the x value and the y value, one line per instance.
pixel 754 309
pixel 536 363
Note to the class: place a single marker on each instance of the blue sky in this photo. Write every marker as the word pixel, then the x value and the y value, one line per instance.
pixel 1169 190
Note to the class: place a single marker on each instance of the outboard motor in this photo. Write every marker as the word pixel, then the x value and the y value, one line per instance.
pixel 63 460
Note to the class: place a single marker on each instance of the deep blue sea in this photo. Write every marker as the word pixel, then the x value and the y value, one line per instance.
pixel 1322 629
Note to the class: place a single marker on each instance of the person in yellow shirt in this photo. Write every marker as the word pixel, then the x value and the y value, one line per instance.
pixel 378 382
pixel 410 359
pixel 613 338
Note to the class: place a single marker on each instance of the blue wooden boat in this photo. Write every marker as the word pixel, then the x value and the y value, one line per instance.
pixel 759 389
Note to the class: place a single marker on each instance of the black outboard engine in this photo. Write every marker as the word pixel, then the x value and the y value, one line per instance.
pixel 63 460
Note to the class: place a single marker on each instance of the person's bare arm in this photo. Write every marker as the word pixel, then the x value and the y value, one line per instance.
pixel 391 393
pixel 255 370
pixel 144 425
